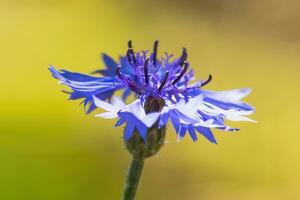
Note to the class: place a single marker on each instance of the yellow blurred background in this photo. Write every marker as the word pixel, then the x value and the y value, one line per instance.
pixel 50 149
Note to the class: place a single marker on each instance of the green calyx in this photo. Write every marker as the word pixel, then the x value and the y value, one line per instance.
pixel 140 148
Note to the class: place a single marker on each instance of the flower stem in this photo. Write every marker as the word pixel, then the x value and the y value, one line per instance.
pixel 134 175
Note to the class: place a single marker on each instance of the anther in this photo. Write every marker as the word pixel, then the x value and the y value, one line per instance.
pixel 183 57
pixel 163 83
pixel 118 72
pixel 130 53
pixel 146 70
pixel 182 73
pixel 129 44
pixel 207 81
pixel 155 51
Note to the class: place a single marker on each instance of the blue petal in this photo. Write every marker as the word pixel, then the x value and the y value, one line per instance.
pixel 75 76
pixel 110 64
pixel 120 122
pixel 142 130
pixel 85 86
pixel 133 120
pixel 105 95
pixel 76 95
pixel 84 83
pixel 192 133
pixel 182 131
pixel 206 132
pixel 179 115
pixel 91 108
pixel 126 93
pixel 129 130
pixel 126 67
pixel 229 105
pixel 217 119
pixel 176 124
pixel 163 119
pixel 229 99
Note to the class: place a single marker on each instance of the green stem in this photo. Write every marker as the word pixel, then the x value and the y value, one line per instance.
pixel 134 175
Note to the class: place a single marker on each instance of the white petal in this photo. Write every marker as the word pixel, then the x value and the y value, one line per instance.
pixel 118 102
pixel 228 95
pixel 107 115
pixel 103 104
pixel 151 119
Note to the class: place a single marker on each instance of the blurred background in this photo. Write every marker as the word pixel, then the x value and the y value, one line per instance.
pixel 50 149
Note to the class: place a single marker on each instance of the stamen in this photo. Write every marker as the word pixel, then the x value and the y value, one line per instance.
pixel 146 70
pixel 182 73
pixel 163 83
pixel 155 51
pixel 130 53
pixel 129 44
pixel 126 80
pixel 118 72
pixel 207 81
pixel 183 57
pixel 67 92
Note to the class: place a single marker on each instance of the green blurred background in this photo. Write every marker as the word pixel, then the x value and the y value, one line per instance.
pixel 50 149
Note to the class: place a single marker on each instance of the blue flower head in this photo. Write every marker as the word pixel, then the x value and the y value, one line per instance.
pixel 165 90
